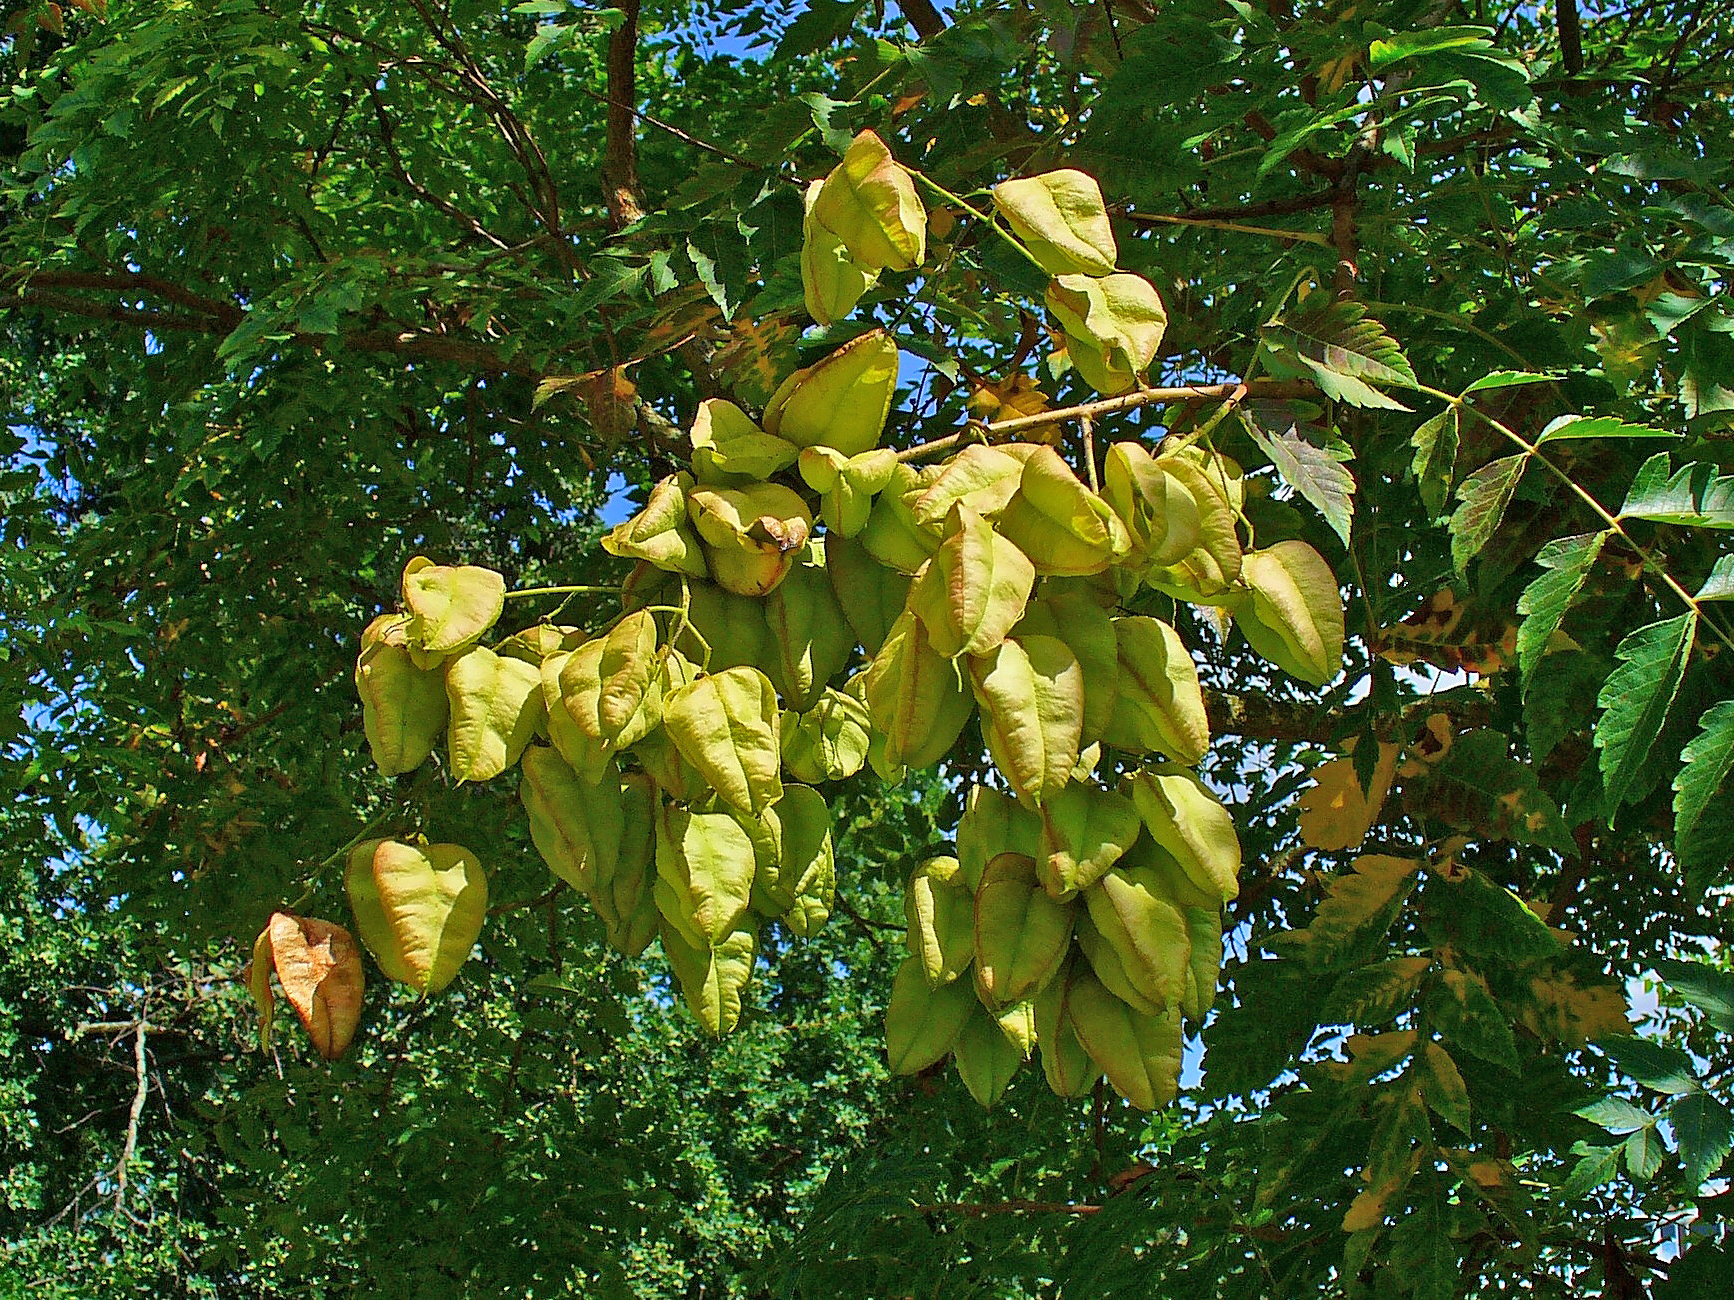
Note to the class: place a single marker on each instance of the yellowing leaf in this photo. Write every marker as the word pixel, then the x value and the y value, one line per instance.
pixel 840 402
pixel 1032 702
pixel 1021 935
pixel 450 607
pixel 659 534
pixel 1335 813
pixel 869 202
pixel 1113 326
pixel 714 978
pixel 922 1022
pixel 1190 823
pixel 1294 614
pixel 914 696
pixel 419 909
pixel 575 825
pixel 725 725
pixel 939 912
pixel 403 708
pixel 973 590
pixel 319 967
pixel 1159 705
pixel 1062 526
pixel 1061 219
pixel 495 706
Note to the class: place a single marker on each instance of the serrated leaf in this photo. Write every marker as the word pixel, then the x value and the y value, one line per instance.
pixel 1706 987
pixel 1616 1115
pixel 1482 499
pixel 1719 585
pixel 1694 496
pixel 1321 479
pixel 1598 1165
pixel 1644 1154
pixel 1373 995
pixel 1469 1017
pixel 1704 1132
pixel 1596 426
pixel 1660 1066
pixel 1636 699
pixel 1703 797
pixel 1358 907
pixel 1345 351
pixel 1435 463
pixel 1509 379
pixel 1546 601
pixel 1442 1084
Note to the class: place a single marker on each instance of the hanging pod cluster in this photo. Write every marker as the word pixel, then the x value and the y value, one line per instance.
pixel 805 604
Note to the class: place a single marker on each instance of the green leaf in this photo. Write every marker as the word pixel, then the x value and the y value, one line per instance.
pixel 1435 463
pixel 1372 995
pixel 1720 584
pixel 1400 46
pixel 1644 1154
pixel 1598 426
pixel 1546 601
pixel 1694 496
pixel 1482 499
pixel 1704 1132
pixel 1311 471
pixel 1661 1066
pixel 1636 699
pixel 1509 379
pixel 1468 1016
pixel 1703 799
pixel 1706 987
pixel 1597 1166
pixel 1616 1116
pixel 1340 347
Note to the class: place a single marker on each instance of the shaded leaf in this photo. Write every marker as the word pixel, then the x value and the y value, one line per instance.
pixel 1636 699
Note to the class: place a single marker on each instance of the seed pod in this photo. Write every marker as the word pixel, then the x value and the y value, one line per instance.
pixel 1159 705
pixel 1292 613
pixel 713 978
pixel 1068 1067
pixel 993 823
pixel 725 725
pixel 1104 961
pixel 832 281
pixel 1032 702
pixel 1072 614
pixel 870 595
pixel 914 697
pixel 752 535
pixel 1064 528
pixel 869 202
pixel 403 708
pixel 589 758
pixel 612 687
pixel 729 449
pixel 940 914
pixel 622 891
pixel 828 742
pixel 1139 1054
pixel 419 909
pixel 810 640
pixel 659 533
pixel 984 479
pixel 319 967
pixel 705 865
pixel 973 590
pixel 1085 831
pixel 841 401
pixel 575 825
pixel 797 879
pixel 1061 219
pixel 893 535
pixel 1186 819
pixel 1021 935
pixel 450 607
pixel 985 1058
pixel 847 484
pixel 1113 326
pixel 495 705
pixel 1206 573
pixel 1147 931
pixel 1160 515
pixel 922 1023
pixel 1204 924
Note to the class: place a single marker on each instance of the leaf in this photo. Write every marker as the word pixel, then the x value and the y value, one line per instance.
pixel 1032 702
pixel 1401 46
pixel 1435 463
pixel 1719 585
pixel 319 967
pixel 1703 794
pixel 1509 379
pixel 1706 987
pixel 1313 472
pixel 1442 1084
pixel 1661 1066
pixel 1597 1166
pixel 1336 344
pixel 1468 1016
pixel 974 589
pixel 1694 496
pixel 1616 1115
pixel 1358 907
pixel 1482 499
pixel 1335 812
pixel 496 704
pixel 1636 699
pixel 450 607
pixel 1596 426
pixel 1704 1132
pixel 1376 994
pixel 1644 1154
pixel 1021 934
pixel 922 1022
pixel 725 725
pixel 1294 614
pixel 420 909
pixel 1546 601
pixel 1062 220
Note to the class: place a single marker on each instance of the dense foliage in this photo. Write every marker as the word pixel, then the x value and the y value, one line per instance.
pixel 1431 294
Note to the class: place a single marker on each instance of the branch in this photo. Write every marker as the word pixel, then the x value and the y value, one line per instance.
pixel 1570 36
pixel 141 1070
pixel 923 17
pixel 620 188
pixel 387 137
pixel 972 1211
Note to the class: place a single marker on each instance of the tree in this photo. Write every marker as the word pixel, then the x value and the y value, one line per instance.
pixel 1365 372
